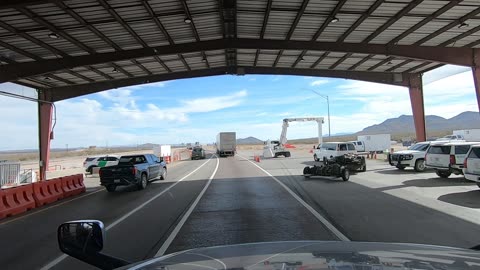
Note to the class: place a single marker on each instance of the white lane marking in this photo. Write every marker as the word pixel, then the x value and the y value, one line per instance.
pixel 323 220
pixel 180 224
pixel 52 206
pixel 63 256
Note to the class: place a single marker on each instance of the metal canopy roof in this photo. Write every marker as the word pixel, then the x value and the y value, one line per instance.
pixel 75 47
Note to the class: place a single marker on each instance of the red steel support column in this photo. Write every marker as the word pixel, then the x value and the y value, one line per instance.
pixel 416 99
pixel 45 135
pixel 476 82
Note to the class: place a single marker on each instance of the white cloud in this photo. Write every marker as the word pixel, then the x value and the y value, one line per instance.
pixel 318 82
pixel 212 103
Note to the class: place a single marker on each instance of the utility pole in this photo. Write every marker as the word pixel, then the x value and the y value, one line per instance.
pixel 328 110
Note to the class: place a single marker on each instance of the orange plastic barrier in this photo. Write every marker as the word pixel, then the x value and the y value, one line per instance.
pixel 73 185
pixel 16 200
pixel 45 192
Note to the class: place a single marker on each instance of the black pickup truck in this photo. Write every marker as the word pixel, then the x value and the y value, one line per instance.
pixel 134 169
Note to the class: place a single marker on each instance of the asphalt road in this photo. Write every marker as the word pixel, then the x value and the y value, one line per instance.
pixel 234 200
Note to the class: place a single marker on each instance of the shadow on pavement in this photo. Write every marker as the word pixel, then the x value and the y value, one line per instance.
pixel 469 199
pixel 438 182
pixel 311 163
pixel 394 171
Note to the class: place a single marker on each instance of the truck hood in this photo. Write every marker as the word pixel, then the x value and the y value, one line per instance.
pixel 412 152
pixel 318 255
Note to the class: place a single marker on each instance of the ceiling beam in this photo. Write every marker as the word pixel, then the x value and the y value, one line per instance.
pixel 264 28
pixel 427 19
pixel 195 34
pixel 21 3
pixel 61 93
pixel 320 30
pixel 447 55
pixel 292 28
pixel 357 23
pixel 404 11
pixel 431 36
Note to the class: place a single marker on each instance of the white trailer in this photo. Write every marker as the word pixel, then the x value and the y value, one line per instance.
pixel 162 150
pixel 469 135
pixel 226 143
pixel 376 143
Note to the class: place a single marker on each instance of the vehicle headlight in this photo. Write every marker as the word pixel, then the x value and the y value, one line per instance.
pixel 408 157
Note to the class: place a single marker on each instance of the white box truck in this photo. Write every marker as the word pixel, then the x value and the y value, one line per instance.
pixel 226 144
pixel 469 135
pixel 376 143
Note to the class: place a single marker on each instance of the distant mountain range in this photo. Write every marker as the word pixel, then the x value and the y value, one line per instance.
pixel 249 140
pixel 404 124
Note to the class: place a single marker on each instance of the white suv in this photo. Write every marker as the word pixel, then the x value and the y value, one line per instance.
pixel 104 161
pixel 333 149
pixel 414 157
pixel 447 158
pixel 471 165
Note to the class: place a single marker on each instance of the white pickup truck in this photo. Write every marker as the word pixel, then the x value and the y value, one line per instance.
pixel 414 157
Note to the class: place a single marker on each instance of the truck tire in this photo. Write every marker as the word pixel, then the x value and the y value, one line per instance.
pixel 364 168
pixel 164 175
pixel 287 154
pixel 315 158
pixel 111 188
pixel 443 174
pixel 400 167
pixel 143 182
pixel 478 184
pixel 419 165
pixel 307 172
pixel 345 174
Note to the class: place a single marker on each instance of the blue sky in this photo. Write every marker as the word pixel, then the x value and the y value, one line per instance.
pixel 197 109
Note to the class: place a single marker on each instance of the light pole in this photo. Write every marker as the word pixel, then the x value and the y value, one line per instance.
pixel 328 109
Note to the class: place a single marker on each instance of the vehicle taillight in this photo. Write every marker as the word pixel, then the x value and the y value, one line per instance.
pixel 452 160
pixel 134 170
pixel 465 163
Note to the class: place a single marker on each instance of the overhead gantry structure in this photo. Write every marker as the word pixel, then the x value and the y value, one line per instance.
pixel 69 48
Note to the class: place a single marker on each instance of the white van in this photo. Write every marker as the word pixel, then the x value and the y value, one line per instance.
pixel 333 149
pixel 471 164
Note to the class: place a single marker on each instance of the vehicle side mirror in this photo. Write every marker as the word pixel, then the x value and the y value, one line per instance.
pixel 81 236
pixel 84 240
pixel 160 160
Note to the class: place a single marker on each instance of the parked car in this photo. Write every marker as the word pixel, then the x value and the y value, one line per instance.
pixel 447 158
pixel 471 164
pixel 198 153
pixel 454 137
pixel 133 169
pixel 103 161
pixel 333 149
pixel 359 145
pixel 414 157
